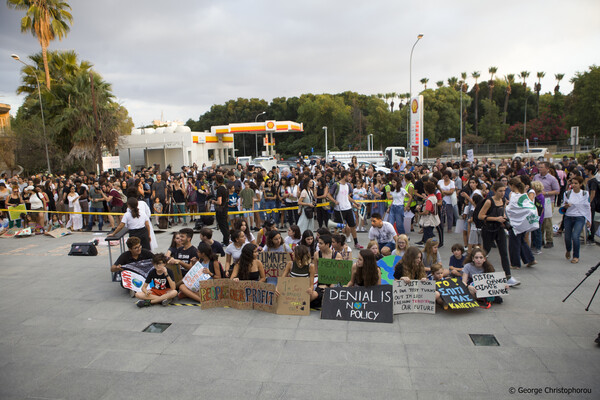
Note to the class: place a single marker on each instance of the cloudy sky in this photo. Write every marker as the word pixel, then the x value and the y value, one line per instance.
pixel 177 58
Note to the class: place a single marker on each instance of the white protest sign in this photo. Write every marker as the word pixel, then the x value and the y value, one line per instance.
pixel 490 284
pixel 131 280
pixel 194 276
pixel 414 297
pixel 470 155
pixel 111 162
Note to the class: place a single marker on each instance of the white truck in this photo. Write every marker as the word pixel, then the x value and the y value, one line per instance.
pixel 387 157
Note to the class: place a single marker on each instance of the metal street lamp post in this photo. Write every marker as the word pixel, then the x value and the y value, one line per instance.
pixel 326 155
pixel 256 135
pixel 525 125
pixel 419 37
pixel 16 57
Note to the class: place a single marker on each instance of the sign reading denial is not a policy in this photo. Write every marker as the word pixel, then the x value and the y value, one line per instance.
pixel 368 304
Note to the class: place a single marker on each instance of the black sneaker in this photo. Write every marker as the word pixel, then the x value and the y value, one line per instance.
pixel 497 300
pixel 421 243
pixel 143 303
pixel 549 245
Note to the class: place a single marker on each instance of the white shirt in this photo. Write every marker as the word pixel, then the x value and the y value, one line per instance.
pixel 446 199
pixel 385 234
pixel 342 197
pixel 398 197
pixel 135 223
pixel 580 204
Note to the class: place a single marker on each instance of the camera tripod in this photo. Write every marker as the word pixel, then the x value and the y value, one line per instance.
pixel 587 275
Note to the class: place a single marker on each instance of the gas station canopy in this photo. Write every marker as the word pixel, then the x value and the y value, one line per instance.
pixel 258 128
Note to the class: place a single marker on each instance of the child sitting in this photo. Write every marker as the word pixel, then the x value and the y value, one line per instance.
pixel 164 286
pixel 430 254
pixel 457 260
pixel 477 263
pixel 437 274
pixel 55 223
pixel 374 247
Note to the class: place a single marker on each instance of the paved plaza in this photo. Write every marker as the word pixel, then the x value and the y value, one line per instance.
pixel 68 332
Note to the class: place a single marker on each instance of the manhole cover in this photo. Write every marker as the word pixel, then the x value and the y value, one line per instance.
pixel 157 327
pixel 484 340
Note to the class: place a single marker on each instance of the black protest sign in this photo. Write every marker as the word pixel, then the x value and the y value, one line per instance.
pixel 141 267
pixel 455 293
pixel 334 271
pixel 368 304
pixel 414 297
pixel 274 262
pixel 490 284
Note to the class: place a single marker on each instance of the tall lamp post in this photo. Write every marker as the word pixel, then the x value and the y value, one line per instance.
pixel 419 37
pixel 525 126
pixel 326 155
pixel 256 135
pixel 16 57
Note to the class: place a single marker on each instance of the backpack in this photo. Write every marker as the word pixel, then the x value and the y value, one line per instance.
pixel 478 222
pixel 333 189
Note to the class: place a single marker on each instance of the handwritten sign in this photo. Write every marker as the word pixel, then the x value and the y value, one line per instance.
pixel 14 212
pixel 414 297
pixel 132 281
pixel 262 296
pixel 58 232
pixel 455 294
pixel 368 304
pixel 194 276
pixel 241 295
pixel 293 298
pixel 274 262
pixel 214 293
pixel 490 284
pixel 334 271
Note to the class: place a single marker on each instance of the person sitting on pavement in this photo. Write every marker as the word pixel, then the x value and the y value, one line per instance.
pixel 135 253
pixel 164 286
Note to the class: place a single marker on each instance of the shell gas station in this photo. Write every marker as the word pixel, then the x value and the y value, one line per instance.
pixel 178 145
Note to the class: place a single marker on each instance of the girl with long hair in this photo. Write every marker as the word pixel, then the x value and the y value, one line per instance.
pixel 137 223
pixel 365 271
pixel 249 267
pixel 411 266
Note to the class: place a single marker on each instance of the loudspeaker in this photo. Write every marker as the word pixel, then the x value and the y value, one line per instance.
pixel 83 249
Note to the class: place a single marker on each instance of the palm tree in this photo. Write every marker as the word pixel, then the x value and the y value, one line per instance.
pixel 46 20
pixel 439 84
pixel 524 75
pixel 558 78
pixel 453 82
pixel 465 85
pixel 538 89
pixel 393 95
pixel 492 71
pixel 476 76
pixel 424 82
pixel 510 79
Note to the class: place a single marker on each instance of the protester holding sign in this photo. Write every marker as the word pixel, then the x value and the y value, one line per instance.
pixel 135 253
pixel 249 267
pixel 410 267
pixel 302 267
pixel 365 271
pixel 207 267
pixel 477 263
pixel 234 250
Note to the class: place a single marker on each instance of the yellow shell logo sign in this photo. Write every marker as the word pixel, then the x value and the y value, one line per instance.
pixel 414 105
pixel 270 125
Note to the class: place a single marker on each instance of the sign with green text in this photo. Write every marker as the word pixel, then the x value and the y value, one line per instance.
pixel 334 271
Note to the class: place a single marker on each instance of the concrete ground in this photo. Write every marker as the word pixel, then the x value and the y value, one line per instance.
pixel 68 332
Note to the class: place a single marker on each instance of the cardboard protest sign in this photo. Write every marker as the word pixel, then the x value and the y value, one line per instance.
pixel 240 295
pixel 14 212
pixel 24 232
pixel 414 297
pixel 131 280
pixel 214 293
pixel 141 267
pixel 334 271
pixel 58 232
pixel 368 304
pixel 455 293
pixel 490 284
pixel 194 276
pixel 10 233
pixel 387 266
pixel 262 296
pixel 274 262
pixel 293 298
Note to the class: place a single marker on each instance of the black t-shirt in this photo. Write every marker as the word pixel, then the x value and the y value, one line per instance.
pixel 217 248
pixel 178 196
pixel 186 255
pixel 127 258
pixel 398 271
pixel 222 193
pixel 160 281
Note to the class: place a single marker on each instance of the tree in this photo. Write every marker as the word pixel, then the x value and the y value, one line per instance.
pixel 490 126
pixel 585 103
pixel 46 20
pixel 424 82
pixel 492 71
pixel 393 95
pixel 439 84
pixel 558 78
pixel 510 79
pixel 453 82
pixel 538 89
pixel 476 76
pixel 524 75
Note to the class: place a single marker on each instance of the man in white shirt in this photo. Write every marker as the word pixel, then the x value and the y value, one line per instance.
pixel 341 194
pixel 384 233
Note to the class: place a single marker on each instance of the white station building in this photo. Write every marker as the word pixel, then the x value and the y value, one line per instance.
pixel 177 145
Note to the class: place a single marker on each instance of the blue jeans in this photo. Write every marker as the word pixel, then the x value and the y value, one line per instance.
pixel 397 217
pixel 100 219
pixel 536 239
pixel 180 209
pixel 572 232
pixel 270 204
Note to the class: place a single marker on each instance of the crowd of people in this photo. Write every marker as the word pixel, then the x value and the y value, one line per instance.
pixel 314 210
